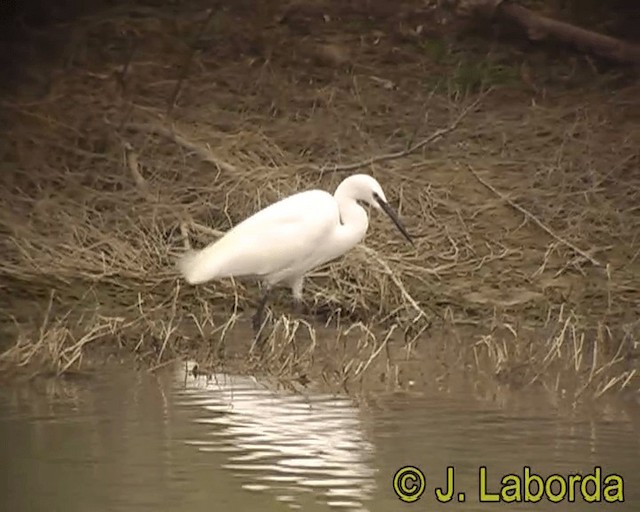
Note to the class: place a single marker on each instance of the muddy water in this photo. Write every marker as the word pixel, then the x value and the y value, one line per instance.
pixel 133 441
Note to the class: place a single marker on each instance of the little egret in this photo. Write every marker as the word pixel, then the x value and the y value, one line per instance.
pixel 287 239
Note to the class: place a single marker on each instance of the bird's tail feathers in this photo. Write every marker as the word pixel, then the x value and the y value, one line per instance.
pixel 185 264
pixel 190 266
pixel 200 266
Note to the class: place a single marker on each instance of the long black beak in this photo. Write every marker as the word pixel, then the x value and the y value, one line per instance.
pixel 394 217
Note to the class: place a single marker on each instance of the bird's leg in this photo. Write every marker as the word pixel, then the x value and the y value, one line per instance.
pixel 259 315
pixel 299 307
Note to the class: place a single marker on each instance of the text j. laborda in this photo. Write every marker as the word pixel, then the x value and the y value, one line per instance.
pixel 410 484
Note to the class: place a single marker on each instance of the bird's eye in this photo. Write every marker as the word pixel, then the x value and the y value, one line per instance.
pixel 376 196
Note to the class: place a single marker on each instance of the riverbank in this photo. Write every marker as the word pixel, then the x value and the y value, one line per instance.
pixel 516 170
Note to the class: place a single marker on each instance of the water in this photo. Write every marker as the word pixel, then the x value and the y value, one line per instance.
pixel 132 441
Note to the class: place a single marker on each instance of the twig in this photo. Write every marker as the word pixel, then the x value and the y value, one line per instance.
pixel 187 64
pixel 134 168
pixel 203 152
pixel 122 76
pixel 531 216
pixel 438 134
pixel 422 121
pixel 184 232
pixel 396 281
pixel 205 229
pixel 185 236
pixel 171 328
pixel 374 354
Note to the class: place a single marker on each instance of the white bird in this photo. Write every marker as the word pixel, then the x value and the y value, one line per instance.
pixel 282 242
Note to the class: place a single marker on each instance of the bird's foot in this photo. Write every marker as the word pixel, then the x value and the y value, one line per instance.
pixel 259 334
pixel 300 308
pixel 258 317
pixel 257 322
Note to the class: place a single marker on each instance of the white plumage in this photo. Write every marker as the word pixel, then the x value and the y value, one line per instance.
pixel 285 240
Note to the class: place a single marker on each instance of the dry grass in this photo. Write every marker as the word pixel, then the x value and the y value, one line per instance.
pixel 523 197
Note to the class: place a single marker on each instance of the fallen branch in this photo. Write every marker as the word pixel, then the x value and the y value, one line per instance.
pixel 438 134
pixel 540 27
pixel 535 219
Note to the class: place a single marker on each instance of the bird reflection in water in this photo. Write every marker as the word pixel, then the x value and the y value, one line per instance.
pixel 285 442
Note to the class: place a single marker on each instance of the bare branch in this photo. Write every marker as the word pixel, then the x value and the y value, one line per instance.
pixel 187 64
pixel 531 216
pixel 438 134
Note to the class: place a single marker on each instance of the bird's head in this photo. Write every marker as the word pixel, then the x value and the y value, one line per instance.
pixel 365 188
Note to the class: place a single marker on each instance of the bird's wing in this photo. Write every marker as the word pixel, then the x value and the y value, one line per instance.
pixel 270 241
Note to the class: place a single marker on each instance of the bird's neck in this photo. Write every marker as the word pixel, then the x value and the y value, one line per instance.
pixel 354 222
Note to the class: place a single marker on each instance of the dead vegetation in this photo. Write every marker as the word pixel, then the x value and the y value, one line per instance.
pixel 160 129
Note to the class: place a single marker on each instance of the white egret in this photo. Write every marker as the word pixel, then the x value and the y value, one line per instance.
pixel 284 241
